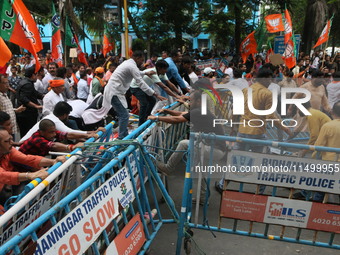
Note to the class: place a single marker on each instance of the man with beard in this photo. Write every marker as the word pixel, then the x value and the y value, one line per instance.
pixel 51 74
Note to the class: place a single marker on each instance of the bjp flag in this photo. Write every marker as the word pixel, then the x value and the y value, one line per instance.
pixel 324 34
pixel 274 23
pixel 6 54
pixel 248 46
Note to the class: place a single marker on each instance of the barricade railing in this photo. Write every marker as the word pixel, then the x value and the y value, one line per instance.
pixel 106 161
pixel 278 214
pixel 91 210
pixel 38 196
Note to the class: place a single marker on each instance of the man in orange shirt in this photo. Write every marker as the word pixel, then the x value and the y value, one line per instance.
pixel 10 156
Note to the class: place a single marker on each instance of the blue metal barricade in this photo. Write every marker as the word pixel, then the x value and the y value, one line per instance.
pixel 119 195
pixel 260 196
pixel 38 196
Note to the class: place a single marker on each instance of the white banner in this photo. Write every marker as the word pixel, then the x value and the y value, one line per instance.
pixel 287 212
pixel 38 208
pixel 282 171
pixel 75 233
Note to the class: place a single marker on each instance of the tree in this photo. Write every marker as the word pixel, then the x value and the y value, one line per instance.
pixel 317 13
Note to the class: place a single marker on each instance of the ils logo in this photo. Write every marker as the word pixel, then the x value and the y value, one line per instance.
pixel 275 209
pixel 123 188
pixel 279 210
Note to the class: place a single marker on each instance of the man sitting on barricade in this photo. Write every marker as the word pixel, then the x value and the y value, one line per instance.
pixel 47 139
pixel 11 159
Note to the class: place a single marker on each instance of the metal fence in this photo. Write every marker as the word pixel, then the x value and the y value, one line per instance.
pixel 258 203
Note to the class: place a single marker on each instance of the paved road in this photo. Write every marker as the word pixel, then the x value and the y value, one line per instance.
pixel 165 242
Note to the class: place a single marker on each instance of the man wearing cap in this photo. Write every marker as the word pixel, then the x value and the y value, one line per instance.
pixel 54 95
pixel 98 82
pixel 209 73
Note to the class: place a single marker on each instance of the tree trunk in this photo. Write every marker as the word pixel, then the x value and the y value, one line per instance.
pixel 316 16
pixel 238 23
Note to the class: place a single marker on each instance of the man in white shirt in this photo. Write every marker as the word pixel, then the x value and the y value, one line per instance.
pixel 238 80
pixel 119 83
pixel 53 96
pixel 38 85
pixel 192 75
pixel 59 116
pixel 333 89
pixel 83 88
pixel 230 70
pixel 297 68
pixel 145 95
pixel 51 74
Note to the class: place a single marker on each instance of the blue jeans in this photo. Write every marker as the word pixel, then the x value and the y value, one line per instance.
pixel 123 117
pixel 146 104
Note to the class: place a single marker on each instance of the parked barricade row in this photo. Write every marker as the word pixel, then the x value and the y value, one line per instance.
pixel 257 198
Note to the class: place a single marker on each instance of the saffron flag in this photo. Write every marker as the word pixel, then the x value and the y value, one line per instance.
pixel 325 34
pixel 57 47
pixel 288 27
pixel 6 54
pixel 289 55
pixel 75 42
pixel 274 23
pixel 248 46
pixel 107 45
pixel 18 26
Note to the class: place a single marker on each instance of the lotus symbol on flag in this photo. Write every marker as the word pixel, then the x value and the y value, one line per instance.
pixel 288 51
pixel 323 32
pixel 245 44
pixel 28 33
pixel 274 22
pixel 288 28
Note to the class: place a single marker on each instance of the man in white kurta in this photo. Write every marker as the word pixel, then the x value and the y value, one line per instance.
pixel 53 96
pixel 119 83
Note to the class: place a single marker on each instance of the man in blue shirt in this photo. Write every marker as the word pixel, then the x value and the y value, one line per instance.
pixel 172 72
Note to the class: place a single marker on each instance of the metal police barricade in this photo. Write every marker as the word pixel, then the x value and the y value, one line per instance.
pixel 102 200
pixel 276 215
pixel 38 196
pixel 102 221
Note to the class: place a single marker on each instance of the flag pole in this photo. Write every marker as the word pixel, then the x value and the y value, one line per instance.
pixel 126 32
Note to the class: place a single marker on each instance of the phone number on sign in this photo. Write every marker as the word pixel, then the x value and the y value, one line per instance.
pixel 327 222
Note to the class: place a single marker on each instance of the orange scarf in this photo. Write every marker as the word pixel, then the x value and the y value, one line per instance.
pixel 100 80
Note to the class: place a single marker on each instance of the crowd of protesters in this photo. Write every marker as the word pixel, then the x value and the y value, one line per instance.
pixel 41 110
